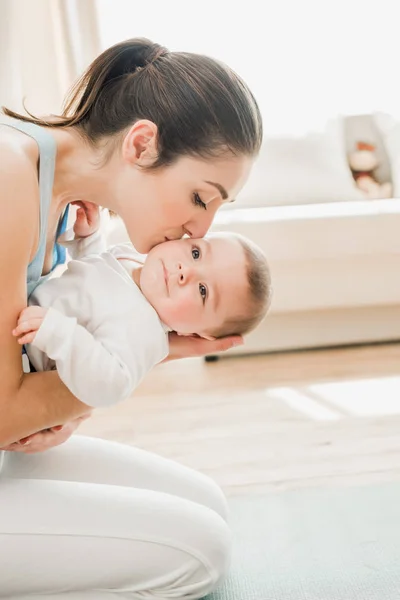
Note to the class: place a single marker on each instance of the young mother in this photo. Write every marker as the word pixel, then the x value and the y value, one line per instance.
pixel 163 139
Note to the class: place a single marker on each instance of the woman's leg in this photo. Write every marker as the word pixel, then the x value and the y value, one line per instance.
pixel 59 537
pixel 92 460
pixel 142 528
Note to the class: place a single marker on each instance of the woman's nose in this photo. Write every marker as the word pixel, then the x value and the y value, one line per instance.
pixel 198 227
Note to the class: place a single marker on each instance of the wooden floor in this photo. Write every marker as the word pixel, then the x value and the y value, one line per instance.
pixel 270 422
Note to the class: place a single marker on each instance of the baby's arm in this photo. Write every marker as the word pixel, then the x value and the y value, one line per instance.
pixel 29 322
pixel 100 370
pixel 79 247
pixel 86 236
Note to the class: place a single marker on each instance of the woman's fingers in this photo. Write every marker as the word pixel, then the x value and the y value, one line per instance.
pixel 226 343
pixel 183 347
pixel 203 347
pixel 49 438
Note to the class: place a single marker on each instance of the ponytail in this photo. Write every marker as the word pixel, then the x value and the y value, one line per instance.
pixel 200 106
pixel 123 59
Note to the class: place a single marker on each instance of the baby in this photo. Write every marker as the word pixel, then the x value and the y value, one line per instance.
pixel 104 323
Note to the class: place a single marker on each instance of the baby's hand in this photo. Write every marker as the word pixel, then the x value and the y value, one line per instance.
pixel 87 219
pixel 29 322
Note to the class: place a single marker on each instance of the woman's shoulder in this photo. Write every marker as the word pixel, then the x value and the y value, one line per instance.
pixel 17 149
pixel 18 169
pixel 19 191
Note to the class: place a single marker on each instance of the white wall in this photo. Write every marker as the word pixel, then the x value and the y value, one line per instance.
pixel 305 60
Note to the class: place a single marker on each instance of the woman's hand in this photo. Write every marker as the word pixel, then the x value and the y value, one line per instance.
pixel 87 219
pixel 29 322
pixel 44 440
pixel 190 346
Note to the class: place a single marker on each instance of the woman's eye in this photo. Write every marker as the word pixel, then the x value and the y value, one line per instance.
pixel 203 292
pixel 196 253
pixel 197 201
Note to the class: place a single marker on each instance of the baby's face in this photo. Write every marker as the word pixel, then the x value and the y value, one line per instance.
pixel 196 285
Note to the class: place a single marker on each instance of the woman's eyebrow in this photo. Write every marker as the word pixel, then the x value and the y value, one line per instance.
pixel 220 188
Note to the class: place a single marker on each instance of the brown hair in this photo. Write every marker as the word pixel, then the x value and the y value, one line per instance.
pixel 259 292
pixel 200 106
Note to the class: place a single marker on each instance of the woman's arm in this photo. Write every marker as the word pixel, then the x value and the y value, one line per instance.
pixel 191 346
pixel 31 402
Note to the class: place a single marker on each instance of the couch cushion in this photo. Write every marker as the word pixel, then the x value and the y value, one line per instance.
pixel 302 170
pixel 327 255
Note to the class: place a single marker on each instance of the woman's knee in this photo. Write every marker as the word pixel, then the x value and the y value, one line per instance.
pixel 212 496
pixel 207 562
pixel 219 551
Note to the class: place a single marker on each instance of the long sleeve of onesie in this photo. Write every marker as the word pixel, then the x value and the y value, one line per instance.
pixel 96 368
pixel 100 332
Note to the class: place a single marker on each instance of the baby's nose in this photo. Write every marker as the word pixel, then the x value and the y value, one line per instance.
pixel 185 274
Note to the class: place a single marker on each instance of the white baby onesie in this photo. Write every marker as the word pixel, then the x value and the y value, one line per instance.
pixel 100 332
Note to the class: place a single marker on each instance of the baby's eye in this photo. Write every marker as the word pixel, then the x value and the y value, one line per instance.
pixel 196 253
pixel 203 292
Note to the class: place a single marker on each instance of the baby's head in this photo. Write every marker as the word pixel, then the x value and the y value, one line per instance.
pixel 211 287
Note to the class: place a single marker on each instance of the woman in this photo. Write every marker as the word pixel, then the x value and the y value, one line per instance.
pixel 163 140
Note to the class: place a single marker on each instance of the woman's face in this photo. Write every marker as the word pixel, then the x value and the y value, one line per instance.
pixel 179 199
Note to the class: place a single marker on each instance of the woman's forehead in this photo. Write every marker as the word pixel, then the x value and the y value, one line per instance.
pixel 226 173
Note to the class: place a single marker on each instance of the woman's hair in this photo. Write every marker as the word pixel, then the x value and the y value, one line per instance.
pixel 259 293
pixel 200 106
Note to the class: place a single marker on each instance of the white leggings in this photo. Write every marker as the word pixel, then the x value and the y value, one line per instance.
pixel 94 520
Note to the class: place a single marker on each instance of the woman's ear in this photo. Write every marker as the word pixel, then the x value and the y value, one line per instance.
pixel 139 146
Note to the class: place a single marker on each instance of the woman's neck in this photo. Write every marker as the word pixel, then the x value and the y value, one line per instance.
pixel 78 176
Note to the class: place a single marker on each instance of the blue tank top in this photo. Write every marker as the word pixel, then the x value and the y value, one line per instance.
pixel 47 158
